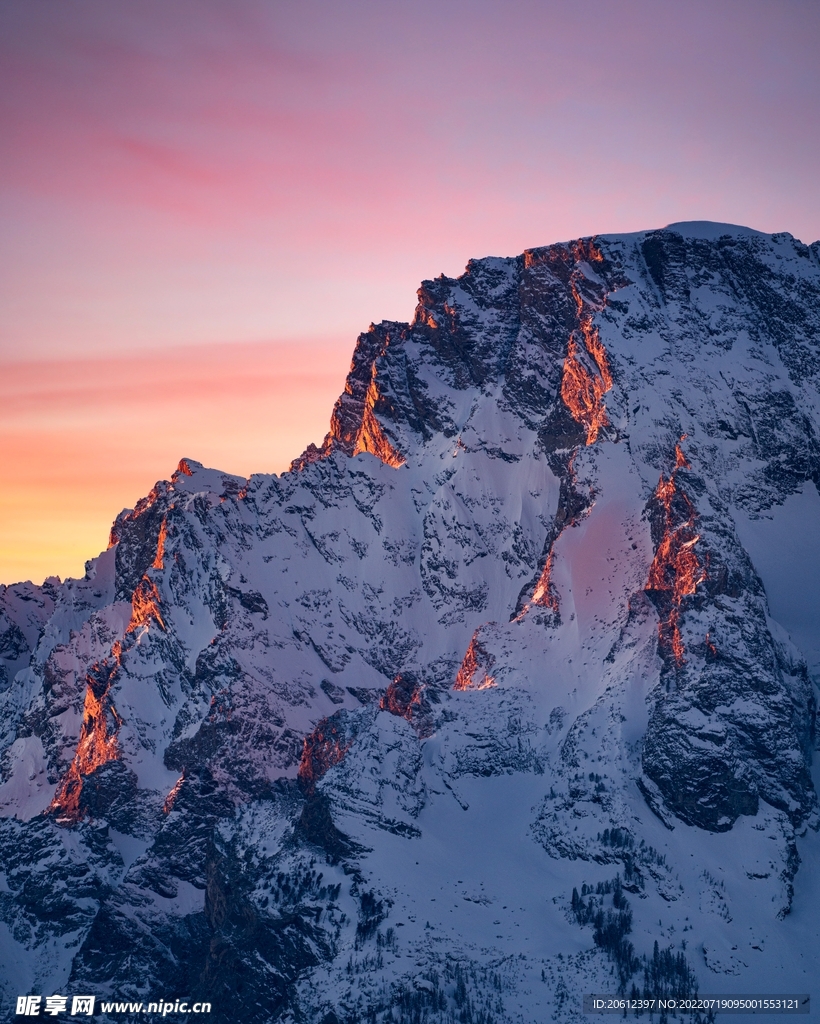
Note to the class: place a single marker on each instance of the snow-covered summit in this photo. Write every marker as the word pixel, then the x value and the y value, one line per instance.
pixel 712 230
pixel 498 687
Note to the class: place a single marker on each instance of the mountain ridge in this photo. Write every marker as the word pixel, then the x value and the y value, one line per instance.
pixel 552 459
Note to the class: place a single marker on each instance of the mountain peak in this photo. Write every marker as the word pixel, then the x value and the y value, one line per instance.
pixel 514 666
pixel 711 230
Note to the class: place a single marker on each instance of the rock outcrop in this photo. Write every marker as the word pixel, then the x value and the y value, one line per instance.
pixel 490 701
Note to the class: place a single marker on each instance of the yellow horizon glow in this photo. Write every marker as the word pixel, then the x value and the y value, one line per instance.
pixel 85 438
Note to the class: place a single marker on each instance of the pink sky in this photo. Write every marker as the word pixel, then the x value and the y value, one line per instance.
pixel 272 176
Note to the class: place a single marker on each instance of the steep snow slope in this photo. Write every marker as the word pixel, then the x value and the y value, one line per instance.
pixel 511 679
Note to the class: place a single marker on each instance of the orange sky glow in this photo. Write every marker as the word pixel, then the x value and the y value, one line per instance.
pixel 83 439
pixel 203 203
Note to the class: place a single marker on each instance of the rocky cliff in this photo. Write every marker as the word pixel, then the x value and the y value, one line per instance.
pixel 504 694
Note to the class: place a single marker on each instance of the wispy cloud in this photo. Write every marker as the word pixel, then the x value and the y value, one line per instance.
pixel 202 171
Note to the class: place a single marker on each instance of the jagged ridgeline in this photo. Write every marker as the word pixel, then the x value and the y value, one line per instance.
pixel 503 695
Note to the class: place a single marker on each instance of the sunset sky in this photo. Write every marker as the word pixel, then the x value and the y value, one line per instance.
pixel 203 202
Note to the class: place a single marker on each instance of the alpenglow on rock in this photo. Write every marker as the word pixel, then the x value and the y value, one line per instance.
pixel 503 695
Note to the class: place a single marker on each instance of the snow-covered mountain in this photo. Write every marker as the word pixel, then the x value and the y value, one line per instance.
pixel 504 695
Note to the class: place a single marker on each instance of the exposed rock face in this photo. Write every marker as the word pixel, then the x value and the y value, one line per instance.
pixel 324 745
